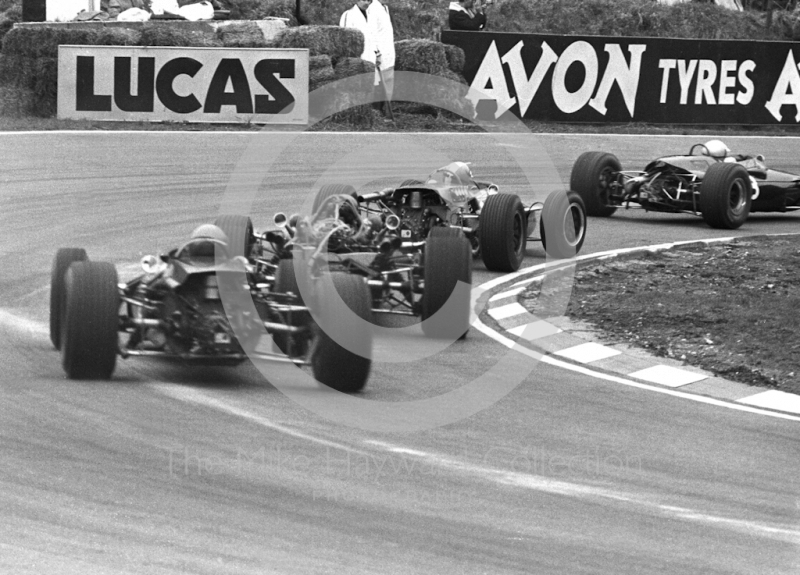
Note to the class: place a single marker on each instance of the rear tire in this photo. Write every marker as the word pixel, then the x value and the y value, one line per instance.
pixel 448 260
pixel 591 177
pixel 239 230
pixel 503 233
pixel 329 190
pixel 564 214
pixel 726 196
pixel 89 332
pixel 344 369
pixel 64 258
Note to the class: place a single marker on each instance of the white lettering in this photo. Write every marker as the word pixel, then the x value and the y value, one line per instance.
pixel 626 77
pixel 577 52
pixel 787 90
pixel 525 87
pixel 490 83
pixel 745 97
pixel 706 76
pixel 726 81
pixel 667 65
pixel 685 75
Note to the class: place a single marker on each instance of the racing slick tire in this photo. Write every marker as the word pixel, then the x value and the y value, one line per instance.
pixel 448 260
pixel 64 258
pixel 329 190
pixel 725 196
pixel 334 365
pixel 90 321
pixel 239 230
pixel 503 233
pixel 564 215
pixel 591 177
pixel 411 182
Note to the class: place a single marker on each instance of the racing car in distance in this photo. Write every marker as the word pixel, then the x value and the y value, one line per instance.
pixel 174 309
pixel 722 188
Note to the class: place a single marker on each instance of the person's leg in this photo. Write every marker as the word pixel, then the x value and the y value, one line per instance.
pixel 388 78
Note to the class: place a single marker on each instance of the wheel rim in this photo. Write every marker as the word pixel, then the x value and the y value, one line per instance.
pixel 604 185
pixel 737 197
pixel 574 225
pixel 517 233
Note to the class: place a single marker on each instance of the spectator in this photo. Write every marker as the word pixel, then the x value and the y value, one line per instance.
pixel 464 15
pixel 356 17
pixel 381 21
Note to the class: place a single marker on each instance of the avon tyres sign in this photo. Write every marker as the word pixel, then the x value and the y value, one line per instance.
pixel 183 84
pixel 610 79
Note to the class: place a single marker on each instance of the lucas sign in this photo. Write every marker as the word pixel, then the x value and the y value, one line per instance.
pixel 606 79
pixel 265 86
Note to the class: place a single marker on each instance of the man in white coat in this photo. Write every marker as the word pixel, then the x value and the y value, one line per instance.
pixel 378 14
pixel 356 17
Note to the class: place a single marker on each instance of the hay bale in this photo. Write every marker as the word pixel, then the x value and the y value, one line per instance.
pixel 262 9
pixel 320 72
pixel 119 37
pixel 455 58
pixel 424 56
pixel 45 87
pixel 11 67
pixel 8 19
pixel 165 35
pixel 242 35
pixel 15 102
pixel 44 42
pixel 334 41
pixel 347 67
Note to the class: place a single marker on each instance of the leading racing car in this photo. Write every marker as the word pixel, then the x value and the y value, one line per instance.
pixel 708 181
pixel 204 303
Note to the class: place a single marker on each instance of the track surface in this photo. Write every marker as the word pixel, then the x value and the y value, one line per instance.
pixel 169 470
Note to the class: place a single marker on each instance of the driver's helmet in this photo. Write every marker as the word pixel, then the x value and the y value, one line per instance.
pixel 717 149
pixel 453 174
pixel 204 242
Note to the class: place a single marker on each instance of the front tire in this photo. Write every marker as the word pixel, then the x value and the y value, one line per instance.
pixel 448 260
pixel 592 176
pixel 329 190
pixel 239 230
pixel 346 367
pixel 64 258
pixel 564 218
pixel 90 324
pixel 503 233
pixel 726 196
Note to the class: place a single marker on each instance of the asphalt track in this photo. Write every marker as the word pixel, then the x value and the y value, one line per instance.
pixel 174 470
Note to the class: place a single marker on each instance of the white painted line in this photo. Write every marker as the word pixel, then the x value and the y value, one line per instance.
pixel 535 330
pixel 774 399
pixel 509 293
pixel 527 282
pixel 588 352
pixel 506 311
pixel 667 375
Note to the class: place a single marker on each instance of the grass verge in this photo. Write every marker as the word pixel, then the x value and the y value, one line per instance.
pixel 729 308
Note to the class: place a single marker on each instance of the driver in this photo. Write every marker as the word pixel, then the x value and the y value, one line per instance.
pixel 718 150
pixel 204 242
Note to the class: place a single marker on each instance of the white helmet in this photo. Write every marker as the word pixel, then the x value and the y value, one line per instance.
pixel 209 232
pixel 717 149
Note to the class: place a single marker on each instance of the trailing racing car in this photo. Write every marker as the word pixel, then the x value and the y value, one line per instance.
pixel 203 302
pixel 708 181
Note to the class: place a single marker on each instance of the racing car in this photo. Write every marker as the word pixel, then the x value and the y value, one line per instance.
pixel 497 225
pixel 402 278
pixel 204 303
pixel 708 181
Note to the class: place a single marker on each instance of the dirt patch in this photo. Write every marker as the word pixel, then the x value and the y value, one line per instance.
pixel 731 308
